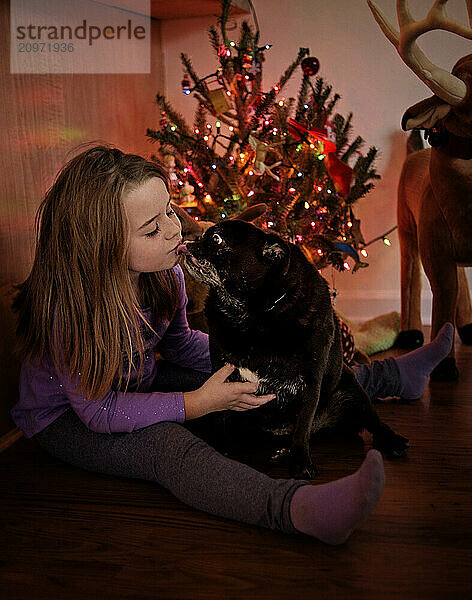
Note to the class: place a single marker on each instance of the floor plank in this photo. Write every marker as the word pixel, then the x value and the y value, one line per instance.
pixel 72 534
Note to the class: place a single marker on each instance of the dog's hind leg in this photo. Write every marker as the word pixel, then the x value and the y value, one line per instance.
pixel 356 413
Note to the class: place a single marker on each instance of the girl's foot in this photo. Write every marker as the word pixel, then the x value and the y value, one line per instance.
pixel 331 511
pixel 416 366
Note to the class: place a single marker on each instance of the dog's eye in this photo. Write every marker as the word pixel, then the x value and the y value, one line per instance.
pixel 217 238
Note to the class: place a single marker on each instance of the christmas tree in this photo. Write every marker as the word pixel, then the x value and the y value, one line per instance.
pixel 248 146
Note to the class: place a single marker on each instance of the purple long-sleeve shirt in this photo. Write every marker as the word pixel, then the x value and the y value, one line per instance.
pixel 45 396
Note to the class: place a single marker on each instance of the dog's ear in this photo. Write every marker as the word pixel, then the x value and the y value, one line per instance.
pixel 191 229
pixel 251 213
pixel 276 252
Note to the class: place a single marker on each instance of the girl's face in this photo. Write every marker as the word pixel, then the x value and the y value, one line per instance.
pixel 155 231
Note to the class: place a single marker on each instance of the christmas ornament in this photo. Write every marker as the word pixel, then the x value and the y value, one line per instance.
pixel 340 173
pixel 350 251
pixel 219 100
pixel 301 133
pixel 347 249
pixel 355 230
pixel 187 197
pixel 310 66
pixel 169 161
pixel 261 149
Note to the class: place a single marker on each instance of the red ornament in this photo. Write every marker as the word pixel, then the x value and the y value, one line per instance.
pixel 310 66
pixel 340 173
pixel 301 133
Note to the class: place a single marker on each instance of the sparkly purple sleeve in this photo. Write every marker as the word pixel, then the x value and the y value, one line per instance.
pixel 180 344
pixel 126 411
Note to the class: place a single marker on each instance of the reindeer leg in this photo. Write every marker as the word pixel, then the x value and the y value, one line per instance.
pixel 442 276
pixel 463 308
pixel 410 335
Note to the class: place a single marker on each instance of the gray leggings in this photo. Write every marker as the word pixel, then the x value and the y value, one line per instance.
pixel 171 455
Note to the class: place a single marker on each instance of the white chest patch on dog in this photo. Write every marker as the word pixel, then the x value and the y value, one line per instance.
pixel 249 375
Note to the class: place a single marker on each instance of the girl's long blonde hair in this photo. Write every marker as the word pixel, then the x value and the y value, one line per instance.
pixel 78 304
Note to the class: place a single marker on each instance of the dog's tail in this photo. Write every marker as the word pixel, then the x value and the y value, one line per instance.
pixel 415 141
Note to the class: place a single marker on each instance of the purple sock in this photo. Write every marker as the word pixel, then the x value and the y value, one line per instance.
pixel 331 511
pixel 416 366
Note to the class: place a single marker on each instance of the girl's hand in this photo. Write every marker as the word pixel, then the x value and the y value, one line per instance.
pixel 217 394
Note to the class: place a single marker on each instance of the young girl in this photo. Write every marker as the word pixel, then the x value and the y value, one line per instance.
pixel 106 289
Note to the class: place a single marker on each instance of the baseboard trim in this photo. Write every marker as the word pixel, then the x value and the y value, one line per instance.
pixel 9 438
pixel 359 306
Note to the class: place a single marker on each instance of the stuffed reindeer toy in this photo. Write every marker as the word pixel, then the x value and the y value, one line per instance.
pixel 435 191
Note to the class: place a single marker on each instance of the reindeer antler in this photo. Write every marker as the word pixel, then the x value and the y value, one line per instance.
pixel 449 88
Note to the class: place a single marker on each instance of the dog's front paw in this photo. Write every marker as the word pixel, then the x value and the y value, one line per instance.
pixel 391 443
pixel 301 467
pixel 279 456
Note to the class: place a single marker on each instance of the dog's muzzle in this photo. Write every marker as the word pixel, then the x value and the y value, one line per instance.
pixel 202 269
pixel 182 249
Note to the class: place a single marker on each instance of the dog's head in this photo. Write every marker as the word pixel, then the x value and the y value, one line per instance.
pixel 238 257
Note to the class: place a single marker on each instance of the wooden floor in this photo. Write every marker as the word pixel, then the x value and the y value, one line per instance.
pixel 69 534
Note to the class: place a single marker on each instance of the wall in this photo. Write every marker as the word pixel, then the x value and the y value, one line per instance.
pixel 46 116
pixel 374 84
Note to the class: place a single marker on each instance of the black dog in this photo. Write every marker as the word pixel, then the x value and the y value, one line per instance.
pixel 269 313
